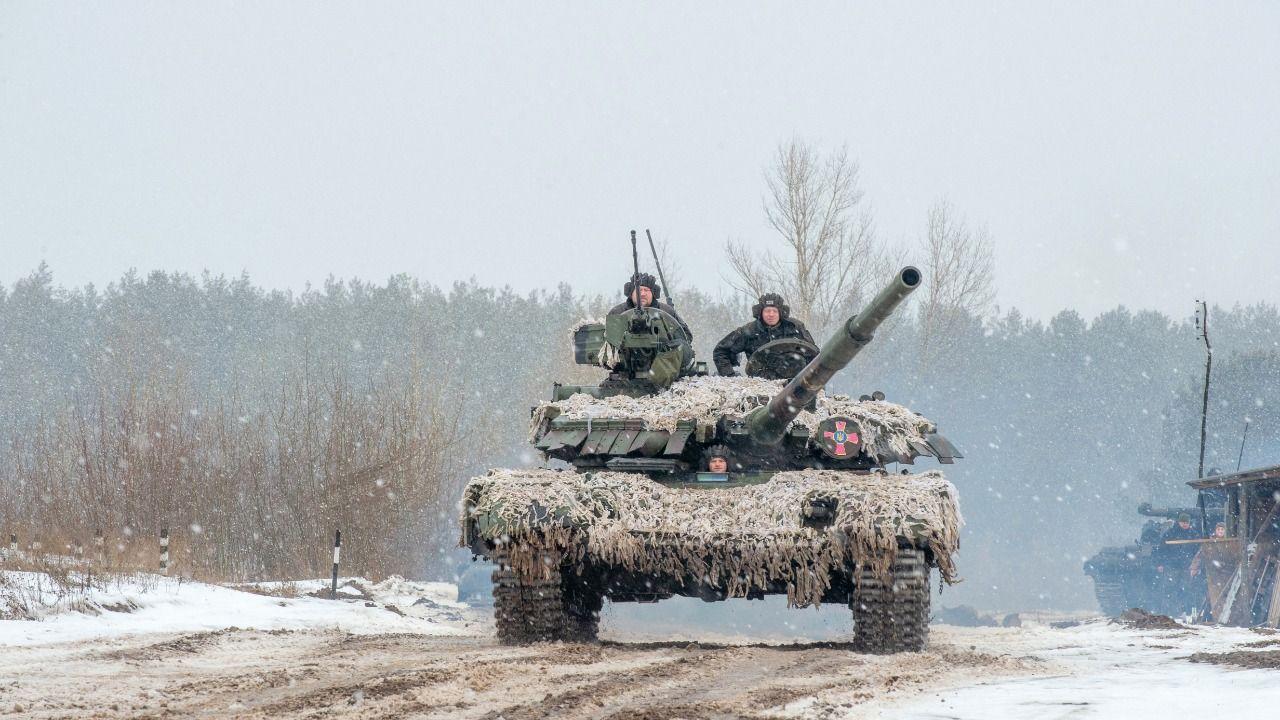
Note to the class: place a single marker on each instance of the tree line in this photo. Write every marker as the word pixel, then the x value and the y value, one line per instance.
pixel 253 421
pixel 265 419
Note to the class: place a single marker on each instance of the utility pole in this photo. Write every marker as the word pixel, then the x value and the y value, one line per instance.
pixel 1202 323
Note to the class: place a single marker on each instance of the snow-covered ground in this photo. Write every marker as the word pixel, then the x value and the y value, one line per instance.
pixel 1103 670
pixel 144 603
pixel 144 645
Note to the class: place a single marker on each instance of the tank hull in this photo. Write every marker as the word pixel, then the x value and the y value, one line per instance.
pixel 564 542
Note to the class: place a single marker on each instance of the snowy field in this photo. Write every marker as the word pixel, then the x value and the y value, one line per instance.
pixel 144 646
pixel 146 604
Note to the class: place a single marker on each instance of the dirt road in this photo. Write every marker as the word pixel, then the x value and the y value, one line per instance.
pixel 313 674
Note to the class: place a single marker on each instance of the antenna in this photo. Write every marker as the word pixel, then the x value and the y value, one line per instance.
pixel 662 278
pixel 1243 438
pixel 635 273
pixel 1202 324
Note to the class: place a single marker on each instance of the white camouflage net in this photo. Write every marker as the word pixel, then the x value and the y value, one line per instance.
pixel 739 538
pixel 886 427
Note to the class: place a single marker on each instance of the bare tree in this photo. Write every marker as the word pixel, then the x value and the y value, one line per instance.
pixel 959 276
pixel 830 248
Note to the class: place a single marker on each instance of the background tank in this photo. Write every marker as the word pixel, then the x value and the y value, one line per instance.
pixel 806 508
pixel 1127 577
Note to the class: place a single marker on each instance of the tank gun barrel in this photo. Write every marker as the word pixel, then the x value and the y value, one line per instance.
pixel 769 424
pixel 1169 513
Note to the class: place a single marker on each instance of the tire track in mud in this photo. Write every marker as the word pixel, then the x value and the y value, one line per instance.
pixel 253 674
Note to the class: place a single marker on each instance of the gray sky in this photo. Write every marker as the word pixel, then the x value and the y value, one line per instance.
pixel 1117 154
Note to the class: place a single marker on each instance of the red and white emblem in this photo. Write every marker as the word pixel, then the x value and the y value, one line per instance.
pixel 840 438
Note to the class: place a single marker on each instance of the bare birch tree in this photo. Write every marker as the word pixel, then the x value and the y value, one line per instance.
pixel 959 276
pixel 830 251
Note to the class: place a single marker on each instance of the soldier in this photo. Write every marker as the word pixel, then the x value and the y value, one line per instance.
pixel 717 457
pixel 1173 562
pixel 773 322
pixel 643 288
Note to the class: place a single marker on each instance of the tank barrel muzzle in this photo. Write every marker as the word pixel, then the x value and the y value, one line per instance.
pixel 768 424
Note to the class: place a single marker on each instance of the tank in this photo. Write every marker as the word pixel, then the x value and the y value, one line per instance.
pixel 1127 577
pixel 629 508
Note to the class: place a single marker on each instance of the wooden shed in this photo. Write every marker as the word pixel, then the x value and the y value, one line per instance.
pixel 1241 568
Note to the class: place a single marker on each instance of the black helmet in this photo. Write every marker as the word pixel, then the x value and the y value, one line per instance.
pixel 716 451
pixel 771 300
pixel 645 280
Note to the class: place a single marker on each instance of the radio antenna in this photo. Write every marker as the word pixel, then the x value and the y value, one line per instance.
pixel 1243 439
pixel 635 274
pixel 666 290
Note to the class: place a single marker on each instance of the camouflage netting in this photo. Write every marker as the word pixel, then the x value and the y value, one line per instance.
pixel 886 427
pixel 740 538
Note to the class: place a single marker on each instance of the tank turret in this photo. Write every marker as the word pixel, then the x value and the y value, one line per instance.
pixel 665 433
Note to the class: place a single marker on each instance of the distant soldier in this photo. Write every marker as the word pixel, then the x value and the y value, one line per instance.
pixel 773 322
pixel 643 289
pixel 1173 563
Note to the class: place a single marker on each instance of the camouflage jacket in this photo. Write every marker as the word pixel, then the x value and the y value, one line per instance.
pixel 625 306
pixel 750 337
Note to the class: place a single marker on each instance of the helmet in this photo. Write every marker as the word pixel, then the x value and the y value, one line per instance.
pixel 718 451
pixel 771 300
pixel 645 280
pixel 1184 517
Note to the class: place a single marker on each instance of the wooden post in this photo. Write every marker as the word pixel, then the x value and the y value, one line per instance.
pixel 78 549
pixel 99 548
pixel 13 544
pixel 164 551
pixel 337 552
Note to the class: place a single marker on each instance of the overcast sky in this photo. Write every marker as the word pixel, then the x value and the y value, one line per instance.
pixel 1117 153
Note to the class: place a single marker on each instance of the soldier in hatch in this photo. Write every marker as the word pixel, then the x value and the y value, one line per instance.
pixel 718 459
pixel 643 289
pixel 773 322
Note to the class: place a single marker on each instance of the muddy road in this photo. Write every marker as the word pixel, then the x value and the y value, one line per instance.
pixel 315 674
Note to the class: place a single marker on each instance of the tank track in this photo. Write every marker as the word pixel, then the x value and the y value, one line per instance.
pixel 1111 596
pixel 893 617
pixel 529 609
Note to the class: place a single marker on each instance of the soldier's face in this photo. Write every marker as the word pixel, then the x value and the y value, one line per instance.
pixel 1184 524
pixel 1220 531
pixel 770 316
pixel 718 465
pixel 642 296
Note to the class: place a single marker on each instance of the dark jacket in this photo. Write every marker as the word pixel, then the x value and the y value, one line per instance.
pixel 628 305
pixel 1180 554
pixel 751 337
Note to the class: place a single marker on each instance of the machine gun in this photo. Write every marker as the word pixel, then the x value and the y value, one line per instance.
pixel 645 348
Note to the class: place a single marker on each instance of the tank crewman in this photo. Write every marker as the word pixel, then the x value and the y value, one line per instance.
pixel 717 458
pixel 643 288
pixel 773 322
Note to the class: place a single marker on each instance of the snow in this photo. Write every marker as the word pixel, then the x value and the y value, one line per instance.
pixel 1103 671
pixel 155 604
